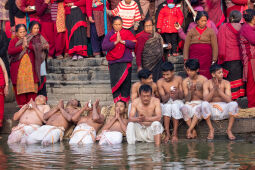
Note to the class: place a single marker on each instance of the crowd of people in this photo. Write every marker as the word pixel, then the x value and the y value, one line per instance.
pixel 218 54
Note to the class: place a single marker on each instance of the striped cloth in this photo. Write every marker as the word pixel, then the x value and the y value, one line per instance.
pixel 128 12
pixel 54 11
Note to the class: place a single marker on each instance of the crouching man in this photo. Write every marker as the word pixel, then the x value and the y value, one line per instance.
pixel 113 129
pixel 30 118
pixel 87 126
pixel 218 103
pixel 57 121
pixel 146 126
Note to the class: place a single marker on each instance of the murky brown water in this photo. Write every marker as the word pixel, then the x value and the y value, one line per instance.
pixel 184 155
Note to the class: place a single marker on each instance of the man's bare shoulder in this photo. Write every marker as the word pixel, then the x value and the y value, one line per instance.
pixel 226 82
pixel 177 78
pixel 154 85
pixel 160 81
pixel 202 78
pixel 136 84
pixel 155 100
pixel 136 101
pixel 185 80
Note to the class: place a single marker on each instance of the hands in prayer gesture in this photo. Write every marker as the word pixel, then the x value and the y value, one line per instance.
pixel 119 40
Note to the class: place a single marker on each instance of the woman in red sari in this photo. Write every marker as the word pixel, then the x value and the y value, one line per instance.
pixel 201 44
pixel 22 67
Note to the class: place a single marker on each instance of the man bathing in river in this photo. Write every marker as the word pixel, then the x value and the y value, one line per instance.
pixel 145 126
pixel 193 94
pixel 218 104
pixel 170 91
pixel 87 126
pixel 57 121
pixel 113 129
pixel 30 118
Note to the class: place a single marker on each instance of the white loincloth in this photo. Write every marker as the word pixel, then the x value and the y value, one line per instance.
pixel 83 134
pixel 190 109
pixel 137 132
pixel 110 137
pixel 219 110
pixel 21 132
pixel 172 109
pixel 46 134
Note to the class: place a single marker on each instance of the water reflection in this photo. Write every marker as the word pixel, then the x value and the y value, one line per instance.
pixel 184 155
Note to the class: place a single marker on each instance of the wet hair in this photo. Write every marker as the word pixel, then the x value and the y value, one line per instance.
pixel 116 18
pixel 144 74
pixel 79 103
pixel 215 67
pixel 167 66
pixel 235 16
pixel 248 15
pixel 17 27
pixel 121 101
pixel 32 24
pixel 147 20
pixel 192 64
pixel 200 14
pixel 145 88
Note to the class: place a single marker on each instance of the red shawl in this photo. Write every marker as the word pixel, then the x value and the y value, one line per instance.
pixel 118 51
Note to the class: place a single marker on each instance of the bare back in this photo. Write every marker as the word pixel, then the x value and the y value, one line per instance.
pixel 30 116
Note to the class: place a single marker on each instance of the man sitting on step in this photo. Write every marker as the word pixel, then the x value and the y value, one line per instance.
pixel 113 129
pixel 87 126
pixel 30 118
pixel 58 120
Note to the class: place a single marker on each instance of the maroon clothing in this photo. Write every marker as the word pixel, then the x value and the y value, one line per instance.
pixel 84 5
pixel 14 52
pixel 43 10
pixel 24 4
pixel 141 38
pixel 2 86
pixel 228 42
pixel 213 7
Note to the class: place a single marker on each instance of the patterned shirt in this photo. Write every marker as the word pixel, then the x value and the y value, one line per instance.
pixel 4 14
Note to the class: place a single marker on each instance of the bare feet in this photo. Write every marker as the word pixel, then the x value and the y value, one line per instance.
pixel 174 138
pixel 166 139
pixel 230 135
pixel 188 134
pixel 211 135
pixel 194 134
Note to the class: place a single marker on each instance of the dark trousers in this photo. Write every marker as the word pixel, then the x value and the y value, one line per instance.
pixel 96 41
pixel 171 38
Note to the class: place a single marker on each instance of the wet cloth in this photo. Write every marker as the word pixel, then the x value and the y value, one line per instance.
pixel 46 134
pixel 21 132
pixel 190 109
pixel 172 109
pixel 83 134
pixel 137 132
pixel 110 137
pixel 219 110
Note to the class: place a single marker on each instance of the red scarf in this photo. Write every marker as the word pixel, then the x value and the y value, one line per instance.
pixel 118 51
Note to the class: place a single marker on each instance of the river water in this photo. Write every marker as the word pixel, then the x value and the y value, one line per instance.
pixel 220 154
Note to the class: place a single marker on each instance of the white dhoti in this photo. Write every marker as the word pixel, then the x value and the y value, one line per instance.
pixel 190 109
pixel 46 134
pixel 110 137
pixel 83 134
pixel 219 110
pixel 172 109
pixel 21 132
pixel 137 132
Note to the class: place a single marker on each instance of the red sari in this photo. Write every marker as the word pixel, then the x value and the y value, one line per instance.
pixel 2 86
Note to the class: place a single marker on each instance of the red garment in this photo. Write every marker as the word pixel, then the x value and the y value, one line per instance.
pixel 43 10
pixel 84 5
pixel 118 51
pixel 24 4
pixel 23 99
pixel 2 86
pixel 250 87
pixel 213 7
pixel 239 5
pixel 141 38
pixel 200 31
pixel 168 17
pixel 228 43
pixel 56 40
pixel 14 66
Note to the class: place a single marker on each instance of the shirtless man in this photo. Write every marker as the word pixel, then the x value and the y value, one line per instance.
pixel 193 93
pixel 113 129
pixel 145 126
pixel 87 126
pixel 30 118
pixel 170 91
pixel 57 121
pixel 218 103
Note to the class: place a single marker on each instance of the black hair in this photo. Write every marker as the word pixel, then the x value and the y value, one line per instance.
pixel 248 15
pixel 121 101
pixel 144 74
pixel 32 24
pixel 79 103
pixel 215 67
pixel 116 18
pixel 167 66
pixel 200 14
pixel 192 64
pixel 235 16
pixel 145 88
pixel 17 27
pixel 148 19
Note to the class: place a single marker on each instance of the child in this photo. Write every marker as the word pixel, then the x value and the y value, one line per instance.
pixel 129 12
pixel 168 16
